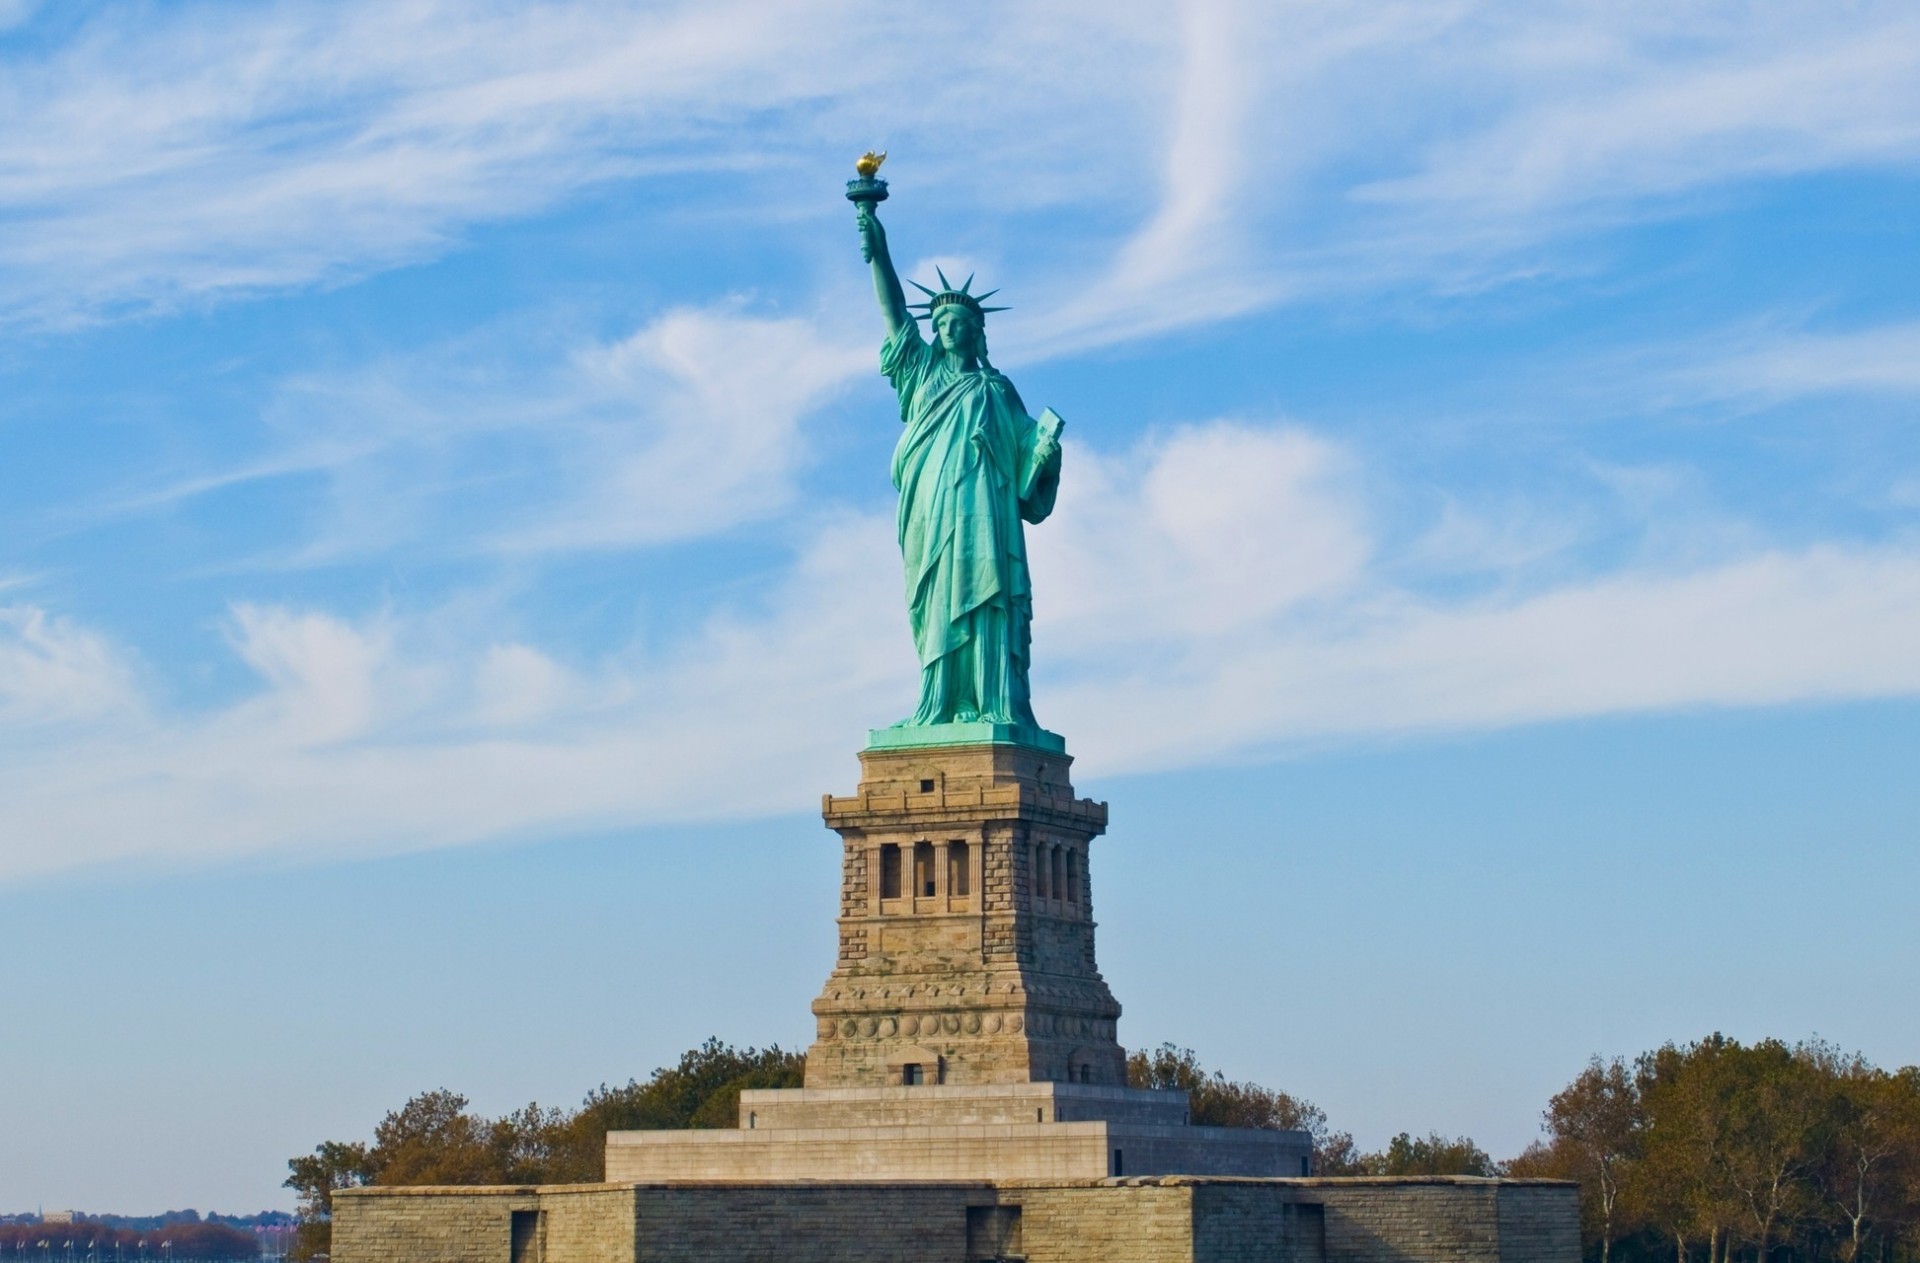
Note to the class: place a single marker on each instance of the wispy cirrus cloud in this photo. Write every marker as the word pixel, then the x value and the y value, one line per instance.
pixel 520 441
pixel 1791 363
pixel 172 156
pixel 1259 611
pixel 55 672
pixel 159 157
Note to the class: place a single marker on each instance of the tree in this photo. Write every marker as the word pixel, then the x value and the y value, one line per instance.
pixel 435 1139
pixel 1432 1154
pixel 1773 1105
pixel 702 1090
pixel 1870 1163
pixel 315 1178
pixel 432 1139
pixel 1679 1184
pixel 1595 1122
pixel 1217 1101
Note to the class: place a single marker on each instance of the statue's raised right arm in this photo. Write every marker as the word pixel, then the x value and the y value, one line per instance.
pixel 886 282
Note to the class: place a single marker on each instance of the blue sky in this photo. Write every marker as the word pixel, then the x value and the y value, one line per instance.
pixel 447 546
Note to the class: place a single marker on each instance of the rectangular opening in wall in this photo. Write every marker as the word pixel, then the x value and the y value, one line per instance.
pixel 913 1074
pixel 1059 873
pixel 890 871
pixel 1119 1163
pixel 1073 876
pixel 959 869
pixel 1040 872
pixel 993 1232
pixel 525 1247
pixel 1310 1233
pixel 923 870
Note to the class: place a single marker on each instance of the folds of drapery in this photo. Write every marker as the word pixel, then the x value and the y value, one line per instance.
pixel 970 466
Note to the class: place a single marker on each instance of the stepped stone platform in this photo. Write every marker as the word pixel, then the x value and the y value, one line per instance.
pixel 1023 1131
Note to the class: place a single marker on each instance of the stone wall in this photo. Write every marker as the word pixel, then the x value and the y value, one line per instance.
pixel 800 1224
pixel 1148 1220
pixel 1255 1223
pixel 773 1108
pixel 1448 1219
pixel 985 1151
pixel 575 1223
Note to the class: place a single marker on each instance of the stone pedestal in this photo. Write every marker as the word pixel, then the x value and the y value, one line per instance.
pixel 965 1032
pixel 966 925
pixel 966 1098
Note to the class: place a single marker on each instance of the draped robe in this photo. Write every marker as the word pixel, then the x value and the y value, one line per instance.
pixel 970 466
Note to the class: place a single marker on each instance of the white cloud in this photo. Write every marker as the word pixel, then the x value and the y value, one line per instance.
pixel 52 671
pixel 1818 624
pixel 1638 100
pixel 400 734
pixel 726 394
pixel 1186 166
pixel 178 155
pixel 1785 364
pixel 1210 530
pixel 1229 599
pixel 687 427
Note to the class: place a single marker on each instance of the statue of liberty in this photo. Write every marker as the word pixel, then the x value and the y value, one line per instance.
pixel 970 467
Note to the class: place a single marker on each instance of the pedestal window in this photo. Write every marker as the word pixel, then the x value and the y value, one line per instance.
pixel 923 871
pixel 890 871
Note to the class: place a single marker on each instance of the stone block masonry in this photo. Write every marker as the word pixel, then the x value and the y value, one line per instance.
pixel 1145 1220
pixel 966 926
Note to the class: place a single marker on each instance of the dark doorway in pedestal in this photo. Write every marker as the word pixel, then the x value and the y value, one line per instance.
pixel 993 1232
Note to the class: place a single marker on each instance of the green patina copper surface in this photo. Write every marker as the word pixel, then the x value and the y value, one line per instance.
pixel 971 466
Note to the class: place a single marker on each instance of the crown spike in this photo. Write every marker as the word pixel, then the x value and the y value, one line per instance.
pixel 966 286
pixel 981 298
pixel 944 282
pixel 917 285
pixel 985 310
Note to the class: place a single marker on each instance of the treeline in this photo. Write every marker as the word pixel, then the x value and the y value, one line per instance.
pixel 435 1139
pixel 1218 1101
pixel 1719 1152
pixel 1714 1152
pixel 57 1243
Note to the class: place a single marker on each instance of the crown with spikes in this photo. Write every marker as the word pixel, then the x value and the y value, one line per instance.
pixel 947 296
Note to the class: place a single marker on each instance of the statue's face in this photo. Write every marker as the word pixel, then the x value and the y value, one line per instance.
pixel 958 333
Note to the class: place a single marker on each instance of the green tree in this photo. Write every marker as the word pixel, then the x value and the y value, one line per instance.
pixel 315 1178
pixel 435 1139
pixel 701 1090
pixel 1217 1101
pixel 1432 1154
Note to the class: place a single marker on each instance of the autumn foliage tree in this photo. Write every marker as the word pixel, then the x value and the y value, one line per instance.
pixel 436 1139
pixel 1721 1152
